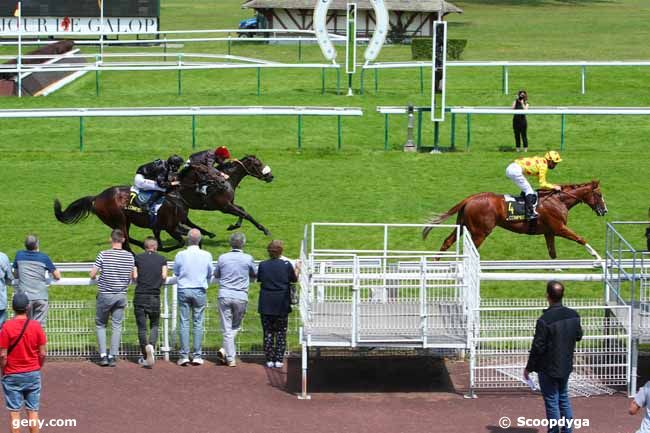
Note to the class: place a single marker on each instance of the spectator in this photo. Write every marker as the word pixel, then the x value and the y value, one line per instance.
pixel 22 354
pixel 551 354
pixel 641 399
pixel 519 123
pixel 149 274
pixel 234 271
pixel 115 268
pixel 5 278
pixel 31 268
pixel 193 267
pixel 275 276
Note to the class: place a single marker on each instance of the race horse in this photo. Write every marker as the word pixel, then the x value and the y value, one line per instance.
pixel 221 195
pixel 481 213
pixel 113 207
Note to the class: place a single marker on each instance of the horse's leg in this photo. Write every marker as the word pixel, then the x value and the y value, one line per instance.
pixel 567 233
pixel 449 241
pixel 233 209
pixel 191 225
pixel 236 225
pixel 177 235
pixel 550 244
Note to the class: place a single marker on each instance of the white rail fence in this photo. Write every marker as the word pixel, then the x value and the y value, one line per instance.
pixel 502 336
pixel 193 112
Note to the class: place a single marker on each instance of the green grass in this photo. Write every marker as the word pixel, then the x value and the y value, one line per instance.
pixel 361 183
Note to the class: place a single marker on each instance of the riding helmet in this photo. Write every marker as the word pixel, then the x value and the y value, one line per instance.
pixel 553 156
pixel 222 151
pixel 175 162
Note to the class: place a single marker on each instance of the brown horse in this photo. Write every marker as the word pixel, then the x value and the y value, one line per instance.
pixel 221 195
pixel 482 212
pixel 113 209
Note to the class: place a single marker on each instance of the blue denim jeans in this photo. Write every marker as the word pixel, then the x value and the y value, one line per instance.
pixel 556 399
pixel 191 301
pixel 3 317
pixel 22 389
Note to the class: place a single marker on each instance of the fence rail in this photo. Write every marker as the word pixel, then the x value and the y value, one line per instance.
pixel 192 112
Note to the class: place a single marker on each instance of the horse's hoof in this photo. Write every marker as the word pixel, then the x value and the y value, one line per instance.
pixel 211 235
pixel 266 232
pixel 232 227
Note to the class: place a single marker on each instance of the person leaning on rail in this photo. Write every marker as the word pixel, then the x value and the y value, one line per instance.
pixel 551 355
pixel 31 267
pixel 193 269
pixel 22 355
pixel 275 276
pixel 149 274
pixel 115 268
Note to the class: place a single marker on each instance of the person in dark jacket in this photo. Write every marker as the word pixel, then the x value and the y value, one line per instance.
pixel 519 123
pixel 275 275
pixel 551 354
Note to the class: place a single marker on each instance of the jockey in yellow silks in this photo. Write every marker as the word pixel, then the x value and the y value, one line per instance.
pixel 533 166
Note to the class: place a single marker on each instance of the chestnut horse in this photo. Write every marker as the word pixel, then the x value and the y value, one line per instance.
pixel 484 211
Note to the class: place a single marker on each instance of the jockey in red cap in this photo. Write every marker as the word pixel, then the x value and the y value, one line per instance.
pixel 213 159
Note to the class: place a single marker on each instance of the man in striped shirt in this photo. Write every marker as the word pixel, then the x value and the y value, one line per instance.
pixel 115 269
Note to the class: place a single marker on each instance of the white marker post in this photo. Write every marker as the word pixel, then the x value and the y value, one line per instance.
pixel 351 44
pixel 20 49
pixel 439 63
pixel 101 29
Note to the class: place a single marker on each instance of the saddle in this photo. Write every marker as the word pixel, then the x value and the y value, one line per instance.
pixel 139 201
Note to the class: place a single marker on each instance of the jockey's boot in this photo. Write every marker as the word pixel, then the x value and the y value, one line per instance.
pixel 151 204
pixel 531 206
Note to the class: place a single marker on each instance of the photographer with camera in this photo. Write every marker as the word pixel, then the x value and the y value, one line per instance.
pixel 519 124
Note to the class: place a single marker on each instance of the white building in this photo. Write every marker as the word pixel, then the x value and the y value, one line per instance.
pixel 415 17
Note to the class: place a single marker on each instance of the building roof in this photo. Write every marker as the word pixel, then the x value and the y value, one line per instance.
pixel 392 5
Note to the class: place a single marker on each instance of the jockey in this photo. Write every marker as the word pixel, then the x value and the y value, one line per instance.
pixel 155 176
pixel 212 159
pixel 533 166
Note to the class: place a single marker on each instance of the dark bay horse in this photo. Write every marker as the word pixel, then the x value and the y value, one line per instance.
pixel 112 207
pixel 221 197
pixel 482 212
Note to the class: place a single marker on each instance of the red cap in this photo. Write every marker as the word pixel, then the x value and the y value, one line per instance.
pixel 222 151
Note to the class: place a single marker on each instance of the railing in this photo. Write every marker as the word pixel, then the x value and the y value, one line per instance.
pixel 192 112
pixel 71 324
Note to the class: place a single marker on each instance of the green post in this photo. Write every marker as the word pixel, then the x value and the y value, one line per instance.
pixel 322 79
pixel 338 81
pixel 469 131
pixel 453 131
pixel 361 81
pixel 180 86
pixel 562 132
pixel 338 120
pixel 386 131
pixel 436 134
pixel 421 80
pixel 193 131
pixel 300 132
pixel 259 81
pixel 376 80
pixel 419 129
pixel 81 134
pixel 299 51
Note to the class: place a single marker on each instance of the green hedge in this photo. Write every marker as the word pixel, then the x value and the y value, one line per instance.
pixel 421 48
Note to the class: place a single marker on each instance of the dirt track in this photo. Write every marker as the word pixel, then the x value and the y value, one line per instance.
pixel 250 398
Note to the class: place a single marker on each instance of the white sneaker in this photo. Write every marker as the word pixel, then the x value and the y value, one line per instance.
pixel 197 360
pixel 183 361
pixel 279 364
pixel 151 358
pixel 232 363
pixel 270 364
pixel 221 356
pixel 142 362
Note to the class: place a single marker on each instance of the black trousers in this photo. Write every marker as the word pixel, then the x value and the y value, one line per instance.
pixel 147 307
pixel 520 128
pixel 275 336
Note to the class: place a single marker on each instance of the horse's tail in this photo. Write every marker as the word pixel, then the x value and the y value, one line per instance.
pixel 76 211
pixel 438 218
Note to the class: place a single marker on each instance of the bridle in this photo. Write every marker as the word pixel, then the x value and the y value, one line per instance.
pixel 246 169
